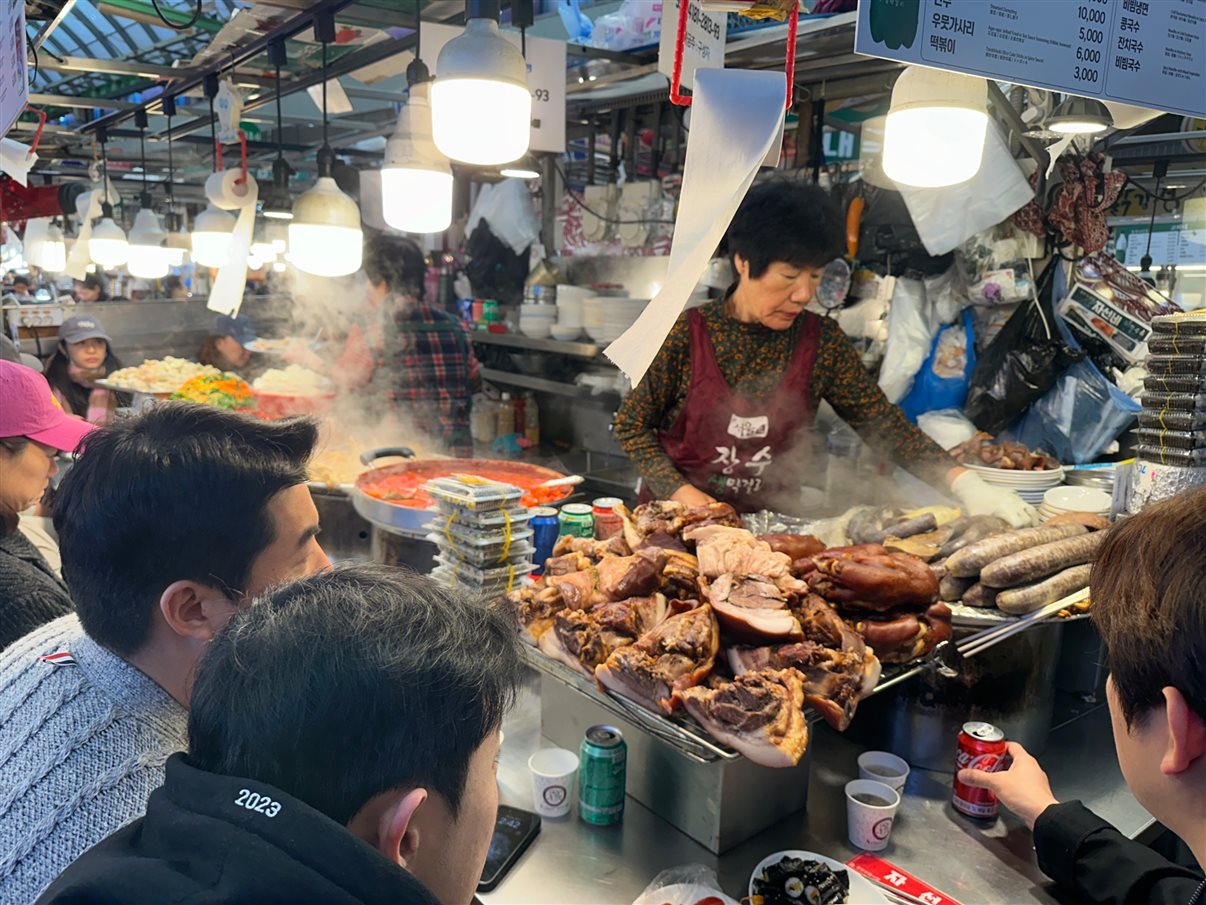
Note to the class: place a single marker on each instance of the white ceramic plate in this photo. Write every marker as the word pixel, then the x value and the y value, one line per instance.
pixel 862 890
pixel 1078 499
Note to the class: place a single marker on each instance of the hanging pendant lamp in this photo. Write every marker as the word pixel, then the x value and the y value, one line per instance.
pixel 416 179
pixel 481 106
pixel 213 230
pixel 325 238
pixel 935 129
pixel 278 203
pixel 108 246
pixel 54 250
pixel 147 256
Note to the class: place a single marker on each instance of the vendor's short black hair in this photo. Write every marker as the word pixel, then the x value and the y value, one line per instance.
pixel 785 221
pixel 396 260
pixel 354 682
pixel 178 493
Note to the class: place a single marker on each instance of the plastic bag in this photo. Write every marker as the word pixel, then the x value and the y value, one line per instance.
pixel 1078 417
pixel 507 207
pixel 946 427
pixel 688 884
pixel 577 26
pixel 918 311
pixel 943 379
pixel 1020 364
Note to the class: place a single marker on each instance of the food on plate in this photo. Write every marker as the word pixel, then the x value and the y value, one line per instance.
pixel 968 562
pixel 293 380
pixel 1090 520
pixel 403 485
pixel 969 529
pixel 159 375
pixel 951 589
pixel 1077 609
pixel 795 881
pixel 983 450
pixel 758 714
pixel 675 656
pixel 874 526
pixel 1039 562
pixel 899 637
pixel 224 390
pixel 796 546
pixel 869 577
pixel 980 596
pixel 1027 599
pixel 584 638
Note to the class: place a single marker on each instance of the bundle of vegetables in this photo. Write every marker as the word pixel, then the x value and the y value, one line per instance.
pixel 224 390
pixel 1021 571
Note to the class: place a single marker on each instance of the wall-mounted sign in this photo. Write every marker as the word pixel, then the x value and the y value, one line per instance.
pixel 1146 52
pixel 1181 244
pixel 703 45
pixel 14 72
pixel 546 79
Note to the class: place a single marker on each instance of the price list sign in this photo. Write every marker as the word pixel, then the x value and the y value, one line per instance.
pixel 1146 52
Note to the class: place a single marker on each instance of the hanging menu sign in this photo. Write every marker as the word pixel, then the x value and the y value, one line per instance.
pixel 14 81
pixel 1146 52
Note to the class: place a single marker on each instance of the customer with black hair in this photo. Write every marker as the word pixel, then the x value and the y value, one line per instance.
pixel 91 289
pixel 83 356
pixel 168 523
pixel 343 745
pixel 726 410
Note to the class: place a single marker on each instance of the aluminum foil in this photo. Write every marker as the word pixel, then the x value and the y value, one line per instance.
pixel 1151 482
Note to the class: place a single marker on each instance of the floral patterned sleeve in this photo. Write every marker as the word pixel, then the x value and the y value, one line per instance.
pixel 843 381
pixel 648 409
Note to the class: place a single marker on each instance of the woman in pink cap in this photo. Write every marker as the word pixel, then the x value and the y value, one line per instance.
pixel 33 430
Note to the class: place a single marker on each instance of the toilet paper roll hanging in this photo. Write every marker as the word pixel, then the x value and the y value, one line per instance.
pixel 232 190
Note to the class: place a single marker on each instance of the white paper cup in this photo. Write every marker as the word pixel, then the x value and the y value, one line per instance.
pixel 880 766
pixel 553 773
pixel 868 825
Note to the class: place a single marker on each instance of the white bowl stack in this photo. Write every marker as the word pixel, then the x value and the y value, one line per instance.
pixel 1029 485
pixel 1059 500
pixel 536 321
pixel 606 318
pixel 569 312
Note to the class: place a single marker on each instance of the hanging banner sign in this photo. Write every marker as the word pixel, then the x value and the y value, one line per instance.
pixel 703 44
pixel 1146 52
pixel 14 73
pixel 546 79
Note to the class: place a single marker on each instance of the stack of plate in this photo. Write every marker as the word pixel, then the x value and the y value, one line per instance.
pixel 536 321
pixel 1030 485
pixel 606 318
pixel 1059 500
pixel 1100 477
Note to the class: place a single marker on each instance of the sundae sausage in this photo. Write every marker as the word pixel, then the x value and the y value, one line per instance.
pixel 968 562
pixel 1039 562
pixel 1020 601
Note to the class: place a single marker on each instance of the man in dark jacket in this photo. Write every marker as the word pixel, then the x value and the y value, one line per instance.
pixel 1146 589
pixel 343 745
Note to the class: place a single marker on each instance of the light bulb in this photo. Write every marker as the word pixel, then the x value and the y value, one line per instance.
pixel 265 251
pixel 934 134
pixel 149 262
pixel 108 246
pixel 213 231
pixel 254 262
pixel 524 168
pixel 325 238
pixel 481 106
pixel 416 179
pixel 54 250
pixel 1079 116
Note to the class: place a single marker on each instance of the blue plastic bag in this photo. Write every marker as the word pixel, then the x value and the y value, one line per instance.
pixel 944 378
pixel 577 26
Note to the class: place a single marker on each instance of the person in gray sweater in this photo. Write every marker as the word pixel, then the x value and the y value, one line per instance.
pixel 168 523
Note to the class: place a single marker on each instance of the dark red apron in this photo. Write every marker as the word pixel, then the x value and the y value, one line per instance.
pixel 731 446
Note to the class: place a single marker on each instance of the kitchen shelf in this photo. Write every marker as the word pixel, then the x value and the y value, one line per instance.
pixel 541 385
pixel 516 341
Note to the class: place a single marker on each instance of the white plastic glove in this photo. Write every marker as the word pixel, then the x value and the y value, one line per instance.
pixel 980 498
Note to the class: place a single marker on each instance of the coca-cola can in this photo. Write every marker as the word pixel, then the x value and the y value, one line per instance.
pixel 981 747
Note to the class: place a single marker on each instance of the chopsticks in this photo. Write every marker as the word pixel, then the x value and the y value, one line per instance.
pixel 981 641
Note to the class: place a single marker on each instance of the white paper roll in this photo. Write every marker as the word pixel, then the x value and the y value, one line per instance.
pixel 226 297
pixel 736 118
pixel 87 205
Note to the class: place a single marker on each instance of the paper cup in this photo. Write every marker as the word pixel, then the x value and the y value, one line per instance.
pixel 553 774
pixel 880 766
pixel 870 811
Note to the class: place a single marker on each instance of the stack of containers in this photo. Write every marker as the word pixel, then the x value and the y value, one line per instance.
pixel 482 535
pixel 1171 439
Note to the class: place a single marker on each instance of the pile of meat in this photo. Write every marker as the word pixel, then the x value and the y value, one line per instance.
pixel 688 610
pixel 982 449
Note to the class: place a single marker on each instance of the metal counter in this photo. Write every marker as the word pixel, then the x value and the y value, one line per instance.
pixel 571 863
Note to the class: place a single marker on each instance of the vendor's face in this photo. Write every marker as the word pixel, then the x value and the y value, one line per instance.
pixel 776 298
pixel 233 352
pixel 88 354
pixel 87 293
pixel 25 474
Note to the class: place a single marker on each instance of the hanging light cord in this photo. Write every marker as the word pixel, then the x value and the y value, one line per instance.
pixel 178 26
pixel 142 153
pixel 324 94
pixel 171 197
pixel 280 150
pixel 213 132
pixel 105 180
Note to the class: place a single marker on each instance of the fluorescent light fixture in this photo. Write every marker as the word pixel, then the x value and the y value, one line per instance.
pixel 934 133
pixel 147 256
pixel 325 238
pixel 416 179
pixel 1079 116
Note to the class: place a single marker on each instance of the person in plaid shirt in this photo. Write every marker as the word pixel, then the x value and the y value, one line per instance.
pixel 422 366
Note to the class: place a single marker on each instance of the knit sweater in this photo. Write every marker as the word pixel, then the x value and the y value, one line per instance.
pixel 83 742
pixel 31 594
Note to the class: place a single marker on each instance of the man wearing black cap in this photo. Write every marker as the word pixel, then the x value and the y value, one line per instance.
pixel 226 346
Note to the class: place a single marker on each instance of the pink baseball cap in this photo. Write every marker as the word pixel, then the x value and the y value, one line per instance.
pixel 30 410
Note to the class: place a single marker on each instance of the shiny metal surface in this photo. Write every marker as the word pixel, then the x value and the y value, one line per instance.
pixel 571 862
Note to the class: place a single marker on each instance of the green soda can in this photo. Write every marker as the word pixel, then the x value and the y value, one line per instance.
pixel 577 520
pixel 603 764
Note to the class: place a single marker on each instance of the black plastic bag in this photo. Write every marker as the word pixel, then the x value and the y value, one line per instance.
pixel 494 270
pixel 1021 363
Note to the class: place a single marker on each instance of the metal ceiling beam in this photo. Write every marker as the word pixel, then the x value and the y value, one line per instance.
pixel 70 100
pixel 51 24
pixel 118 67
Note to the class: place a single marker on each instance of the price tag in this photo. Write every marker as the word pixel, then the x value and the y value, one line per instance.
pixel 888 874
pixel 703 46
pixel 546 79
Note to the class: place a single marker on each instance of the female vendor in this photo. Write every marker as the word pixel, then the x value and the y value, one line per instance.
pixel 725 412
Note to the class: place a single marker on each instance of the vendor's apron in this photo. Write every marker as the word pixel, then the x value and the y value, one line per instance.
pixel 726 444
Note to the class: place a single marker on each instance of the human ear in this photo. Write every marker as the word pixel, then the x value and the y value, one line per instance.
pixel 194 610
pixel 742 265
pixel 1186 734
pixel 397 839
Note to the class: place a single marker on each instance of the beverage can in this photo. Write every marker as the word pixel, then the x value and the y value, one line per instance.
pixel 607 521
pixel 545 530
pixel 602 772
pixel 577 520
pixel 981 747
pixel 490 313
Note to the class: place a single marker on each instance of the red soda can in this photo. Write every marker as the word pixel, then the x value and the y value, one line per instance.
pixel 981 747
